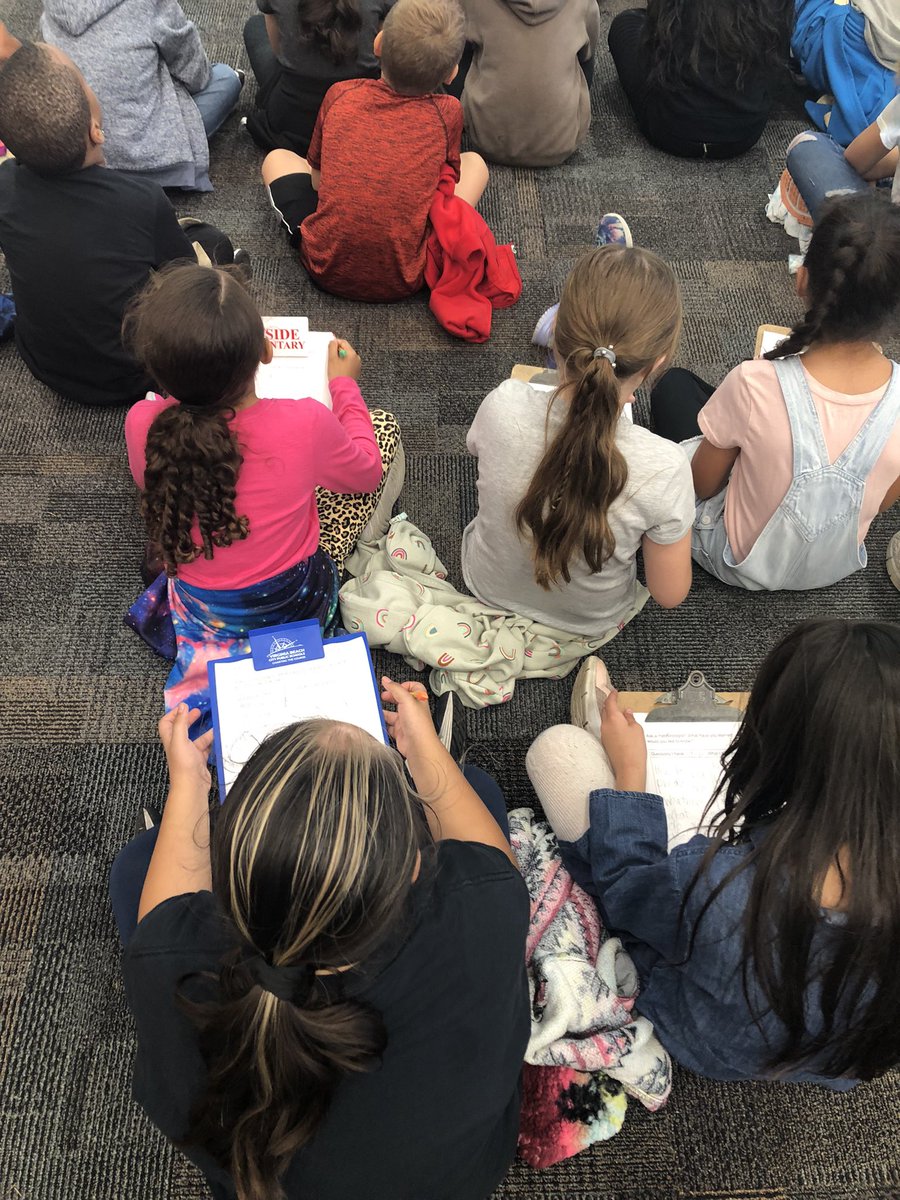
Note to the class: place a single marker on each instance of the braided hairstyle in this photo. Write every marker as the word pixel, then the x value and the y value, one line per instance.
pixel 853 274
pixel 623 298
pixel 198 334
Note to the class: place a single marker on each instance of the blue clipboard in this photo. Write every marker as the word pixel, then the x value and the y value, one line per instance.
pixel 275 647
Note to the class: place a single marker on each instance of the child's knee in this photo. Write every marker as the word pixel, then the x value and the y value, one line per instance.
pixel 278 163
pixel 476 167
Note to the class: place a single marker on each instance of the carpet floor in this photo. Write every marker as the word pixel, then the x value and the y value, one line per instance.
pixel 80 695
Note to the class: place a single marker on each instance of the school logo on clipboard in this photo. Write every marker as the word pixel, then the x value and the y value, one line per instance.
pixel 283 645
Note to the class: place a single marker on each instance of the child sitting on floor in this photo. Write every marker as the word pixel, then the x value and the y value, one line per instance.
pixel 229 479
pixel 358 205
pixel 79 239
pixel 511 114
pixel 696 72
pixel 800 450
pixel 766 950
pixel 161 98
pixel 569 489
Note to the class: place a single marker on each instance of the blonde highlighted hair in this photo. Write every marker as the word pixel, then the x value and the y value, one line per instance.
pixel 421 42
pixel 619 297
pixel 313 856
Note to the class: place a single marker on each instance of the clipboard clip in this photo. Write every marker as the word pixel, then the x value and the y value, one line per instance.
pixel 695 700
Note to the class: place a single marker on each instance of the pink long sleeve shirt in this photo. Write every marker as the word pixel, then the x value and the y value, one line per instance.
pixel 290 447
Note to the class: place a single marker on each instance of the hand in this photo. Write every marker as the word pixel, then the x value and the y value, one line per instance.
pixel 410 726
pixel 623 740
pixel 341 364
pixel 187 760
pixel 8 44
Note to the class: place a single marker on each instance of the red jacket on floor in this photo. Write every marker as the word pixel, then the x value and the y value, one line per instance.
pixel 468 273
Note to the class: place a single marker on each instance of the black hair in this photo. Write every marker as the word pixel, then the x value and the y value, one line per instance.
pixel 45 116
pixel 332 27
pixel 853 270
pixel 737 36
pixel 814 773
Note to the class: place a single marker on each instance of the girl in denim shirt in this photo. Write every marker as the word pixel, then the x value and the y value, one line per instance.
pixel 769 949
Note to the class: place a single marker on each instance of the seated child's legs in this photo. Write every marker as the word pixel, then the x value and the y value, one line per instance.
pixel 288 178
pixel 565 764
pixel 675 404
pixel 126 881
pixel 219 96
pixel 473 177
pixel 817 165
pixel 263 62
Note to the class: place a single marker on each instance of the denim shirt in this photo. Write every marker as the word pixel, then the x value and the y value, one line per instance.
pixel 697 1006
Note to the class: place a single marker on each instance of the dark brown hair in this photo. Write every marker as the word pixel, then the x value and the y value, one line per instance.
pixel 814 770
pixel 853 273
pixel 422 41
pixel 45 116
pixel 198 334
pixel 332 27
pixel 313 856
pixel 615 296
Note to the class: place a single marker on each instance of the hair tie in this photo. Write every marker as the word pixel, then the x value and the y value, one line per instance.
pixel 293 984
pixel 607 353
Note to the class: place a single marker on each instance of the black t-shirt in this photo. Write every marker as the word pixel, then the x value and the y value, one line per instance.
pixel 78 247
pixel 438 1120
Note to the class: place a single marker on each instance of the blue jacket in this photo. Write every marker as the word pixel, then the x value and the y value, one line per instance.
pixel 697 1006
pixel 829 41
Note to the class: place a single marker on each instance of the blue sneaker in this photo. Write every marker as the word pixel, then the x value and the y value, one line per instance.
pixel 613 231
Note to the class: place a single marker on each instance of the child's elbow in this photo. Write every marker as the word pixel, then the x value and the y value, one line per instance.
pixel 671 597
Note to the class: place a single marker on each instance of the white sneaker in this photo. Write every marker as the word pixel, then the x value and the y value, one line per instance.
pixel 893 559
pixel 592 686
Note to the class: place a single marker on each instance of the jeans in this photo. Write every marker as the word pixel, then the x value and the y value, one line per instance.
pixel 129 869
pixel 675 404
pixel 219 96
pixel 817 165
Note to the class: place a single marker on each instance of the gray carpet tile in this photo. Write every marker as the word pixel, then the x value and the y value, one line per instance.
pixel 80 696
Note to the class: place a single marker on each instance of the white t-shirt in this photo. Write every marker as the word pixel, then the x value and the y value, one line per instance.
pixel 889 126
pixel 508 439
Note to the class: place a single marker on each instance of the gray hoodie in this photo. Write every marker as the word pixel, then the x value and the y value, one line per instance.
pixel 526 100
pixel 143 58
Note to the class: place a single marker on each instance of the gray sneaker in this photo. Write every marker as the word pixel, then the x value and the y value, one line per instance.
pixel 893 560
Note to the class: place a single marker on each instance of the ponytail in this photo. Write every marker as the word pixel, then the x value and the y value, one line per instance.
pixel 627 301
pixel 331 27
pixel 853 275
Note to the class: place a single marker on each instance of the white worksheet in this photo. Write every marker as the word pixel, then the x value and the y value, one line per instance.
pixel 627 409
pixel 683 766
pixel 299 367
pixel 249 704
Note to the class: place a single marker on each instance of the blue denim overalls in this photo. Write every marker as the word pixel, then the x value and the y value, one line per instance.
pixel 812 538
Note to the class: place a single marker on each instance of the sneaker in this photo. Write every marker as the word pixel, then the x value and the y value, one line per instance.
pixel 893 559
pixel 241 74
pixel 613 230
pixel 592 686
pixel 450 718
pixel 377 525
pixel 242 259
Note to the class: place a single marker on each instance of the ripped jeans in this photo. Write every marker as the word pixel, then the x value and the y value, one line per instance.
pixel 817 166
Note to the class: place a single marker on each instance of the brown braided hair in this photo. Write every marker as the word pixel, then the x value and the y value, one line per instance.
pixel 853 274
pixel 615 296
pixel 198 334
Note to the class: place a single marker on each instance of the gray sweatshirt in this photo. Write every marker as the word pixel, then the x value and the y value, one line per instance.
pixel 525 100
pixel 143 58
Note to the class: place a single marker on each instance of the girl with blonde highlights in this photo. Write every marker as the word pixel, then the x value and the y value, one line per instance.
pixel 330 993
pixel 561 518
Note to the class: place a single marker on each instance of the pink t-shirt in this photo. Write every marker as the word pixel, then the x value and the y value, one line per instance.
pixel 748 411
pixel 290 447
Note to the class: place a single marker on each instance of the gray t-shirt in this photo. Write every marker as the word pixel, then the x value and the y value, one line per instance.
pixel 508 439
pixel 303 57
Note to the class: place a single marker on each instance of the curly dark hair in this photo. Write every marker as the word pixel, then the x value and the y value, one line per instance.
pixel 198 334
pixel 738 36
pixel 331 27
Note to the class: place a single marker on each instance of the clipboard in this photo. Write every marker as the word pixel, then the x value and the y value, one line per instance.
pixel 290 674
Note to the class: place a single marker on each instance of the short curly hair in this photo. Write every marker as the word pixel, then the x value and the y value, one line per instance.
pixel 422 41
pixel 45 116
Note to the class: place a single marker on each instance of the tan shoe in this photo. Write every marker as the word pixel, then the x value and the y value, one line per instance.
pixel 592 686
pixel 893 559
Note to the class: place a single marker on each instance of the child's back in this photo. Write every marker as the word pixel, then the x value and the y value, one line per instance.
pixel 380 155
pixel 526 98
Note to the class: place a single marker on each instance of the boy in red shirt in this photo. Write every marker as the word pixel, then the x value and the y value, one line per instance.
pixel 358 205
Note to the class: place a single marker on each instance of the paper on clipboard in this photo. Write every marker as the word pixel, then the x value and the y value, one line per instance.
pixel 299 366
pixel 683 766
pixel 768 337
pixel 250 703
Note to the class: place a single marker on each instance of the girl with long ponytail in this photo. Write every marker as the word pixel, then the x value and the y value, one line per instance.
pixel 228 479
pixel 795 454
pixel 569 489
pixel 330 994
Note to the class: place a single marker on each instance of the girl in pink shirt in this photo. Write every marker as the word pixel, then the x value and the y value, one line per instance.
pixel 798 452
pixel 229 479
